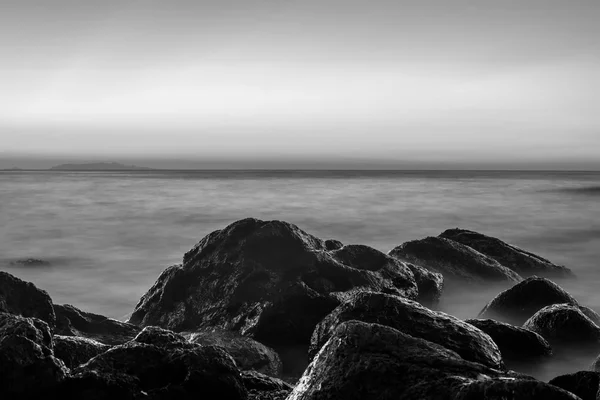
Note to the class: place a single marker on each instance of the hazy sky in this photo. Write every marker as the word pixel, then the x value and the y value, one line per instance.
pixel 312 82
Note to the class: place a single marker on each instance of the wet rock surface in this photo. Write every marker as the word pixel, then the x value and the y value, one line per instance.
pixel 265 279
pixel 24 298
pixel 455 261
pixel 518 303
pixel 74 351
pixel 413 319
pixel 584 384
pixel 515 343
pixel 71 321
pixel 522 262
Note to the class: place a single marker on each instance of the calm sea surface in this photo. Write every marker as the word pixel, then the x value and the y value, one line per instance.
pixel 109 235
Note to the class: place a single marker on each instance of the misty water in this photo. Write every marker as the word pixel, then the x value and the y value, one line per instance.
pixel 108 235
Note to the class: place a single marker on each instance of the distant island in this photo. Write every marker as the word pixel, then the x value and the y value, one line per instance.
pixel 102 166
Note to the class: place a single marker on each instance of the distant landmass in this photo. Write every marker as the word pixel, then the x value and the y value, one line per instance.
pixel 102 166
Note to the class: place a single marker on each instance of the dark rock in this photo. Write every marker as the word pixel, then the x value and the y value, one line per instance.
pixel 413 319
pixel 371 361
pixel 185 372
pixel 584 384
pixel 455 261
pixel 160 337
pixel 93 385
pixel 71 321
pixel 247 353
pixel 515 343
pixel 30 262
pixel 27 365
pixel 591 314
pixel 565 325
pixel 522 262
pixel 332 244
pixel 517 304
pixel 430 284
pixel 74 351
pixel 24 298
pixel 265 279
pixel 263 387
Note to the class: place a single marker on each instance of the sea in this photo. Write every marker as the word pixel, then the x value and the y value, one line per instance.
pixel 108 235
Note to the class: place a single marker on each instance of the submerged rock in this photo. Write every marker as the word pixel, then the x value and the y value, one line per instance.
pixel 24 298
pixel 371 361
pixel 584 384
pixel 565 325
pixel 266 279
pixel 520 302
pixel 74 351
pixel 522 262
pixel 515 343
pixel 413 319
pixel 30 262
pixel 455 261
pixel 247 353
pixel 71 321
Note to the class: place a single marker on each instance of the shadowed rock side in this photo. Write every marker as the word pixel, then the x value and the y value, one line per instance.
pixel 430 284
pixel 413 319
pixel 584 384
pixel 520 302
pixel 515 343
pixel 71 321
pixel 371 361
pixel 74 351
pixel 266 279
pixel 522 262
pixel 455 261
pixel 24 298
pixel 565 325
pixel 263 387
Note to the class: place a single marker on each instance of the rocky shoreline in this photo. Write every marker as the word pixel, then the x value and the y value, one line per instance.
pixel 263 310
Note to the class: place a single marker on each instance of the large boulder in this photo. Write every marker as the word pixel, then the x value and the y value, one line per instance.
pixel 74 351
pixel 27 365
pixel 429 283
pixel 585 384
pixel 565 325
pixel 24 298
pixel 71 321
pixel 455 261
pixel 518 303
pixel 247 353
pixel 268 280
pixel 413 319
pixel 371 361
pixel 522 262
pixel 515 343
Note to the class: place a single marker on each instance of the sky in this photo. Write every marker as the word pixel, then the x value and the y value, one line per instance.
pixel 301 84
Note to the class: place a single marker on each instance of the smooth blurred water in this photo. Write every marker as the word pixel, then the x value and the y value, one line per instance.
pixel 109 235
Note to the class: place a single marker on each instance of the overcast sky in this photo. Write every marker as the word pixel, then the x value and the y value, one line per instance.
pixel 301 83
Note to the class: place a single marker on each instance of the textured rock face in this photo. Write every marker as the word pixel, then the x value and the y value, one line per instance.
pixel 71 321
pixel 74 351
pixel 430 284
pixel 24 298
pixel 455 261
pixel 517 304
pixel 266 279
pixel 522 262
pixel 413 319
pixel 27 365
pixel 247 353
pixel 515 343
pixel 565 325
pixel 584 384
pixel 370 361
pixel 263 387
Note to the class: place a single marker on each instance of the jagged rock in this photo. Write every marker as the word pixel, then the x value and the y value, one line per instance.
pixel 160 337
pixel 265 279
pixel 183 372
pixel 71 321
pixel 247 353
pixel 584 384
pixel 30 262
pixel 413 319
pixel 263 387
pixel 74 351
pixel 522 262
pixel 24 298
pixel 520 302
pixel 456 262
pixel 430 284
pixel 565 325
pixel 27 365
pixel 371 361
pixel 515 343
